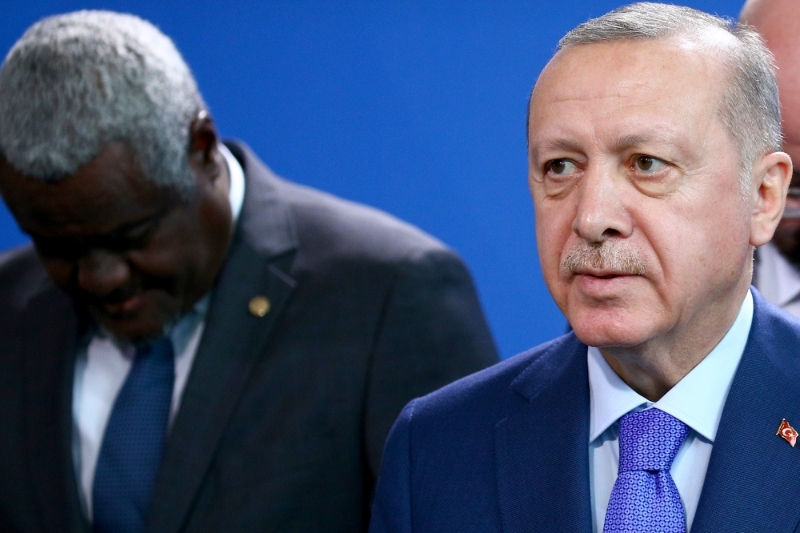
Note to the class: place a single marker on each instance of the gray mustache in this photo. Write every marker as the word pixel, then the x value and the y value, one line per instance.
pixel 608 255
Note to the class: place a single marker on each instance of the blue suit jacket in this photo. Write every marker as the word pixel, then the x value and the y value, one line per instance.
pixel 507 449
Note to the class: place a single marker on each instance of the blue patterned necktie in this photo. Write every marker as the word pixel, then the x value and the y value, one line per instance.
pixel 134 442
pixel 645 498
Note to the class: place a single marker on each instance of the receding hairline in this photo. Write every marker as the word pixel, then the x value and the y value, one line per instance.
pixel 723 44
pixel 713 41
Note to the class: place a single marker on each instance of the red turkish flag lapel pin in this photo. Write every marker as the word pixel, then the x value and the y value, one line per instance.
pixel 788 433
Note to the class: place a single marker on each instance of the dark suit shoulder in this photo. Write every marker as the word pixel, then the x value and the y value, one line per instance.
pixel 22 275
pixel 351 228
pixel 324 223
pixel 776 334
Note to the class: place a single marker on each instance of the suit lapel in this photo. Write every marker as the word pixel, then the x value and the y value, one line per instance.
pixel 49 365
pixel 542 448
pixel 233 342
pixel 752 479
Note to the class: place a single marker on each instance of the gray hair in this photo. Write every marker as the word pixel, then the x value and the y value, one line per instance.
pixel 750 109
pixel 77 82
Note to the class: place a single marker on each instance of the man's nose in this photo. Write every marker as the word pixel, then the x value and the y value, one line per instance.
pixel 601 212
pixel 101 271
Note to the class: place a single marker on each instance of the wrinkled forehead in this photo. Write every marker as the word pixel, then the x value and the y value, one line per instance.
pixel 650 72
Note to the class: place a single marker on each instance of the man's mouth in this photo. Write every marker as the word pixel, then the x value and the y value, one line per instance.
pixel 120 307
pixel 118 304
pixel 602 273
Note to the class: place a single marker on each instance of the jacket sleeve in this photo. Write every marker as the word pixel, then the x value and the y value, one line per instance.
pixel 432 332
pixel 391 511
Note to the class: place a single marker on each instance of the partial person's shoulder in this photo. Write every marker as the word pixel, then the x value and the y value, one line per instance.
pixel 21 275
pixel 356 227
pixel 497 390
pixel 776 334
pixel 329 223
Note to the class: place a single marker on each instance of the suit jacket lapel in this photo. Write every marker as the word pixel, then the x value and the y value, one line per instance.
pixel 49 366
pixel 232 343
pixel 752 479
pixel 542 448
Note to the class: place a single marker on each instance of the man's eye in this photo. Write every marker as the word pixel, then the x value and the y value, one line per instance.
pixel 138 239
pixel 648 164
pixel 56 249
pixel 560 167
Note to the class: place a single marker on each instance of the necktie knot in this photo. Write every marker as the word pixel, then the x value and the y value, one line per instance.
pixel 157 349
pixel 649 440
pixel 645 497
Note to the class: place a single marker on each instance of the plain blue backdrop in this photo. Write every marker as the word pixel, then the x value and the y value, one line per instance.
pixel 415 107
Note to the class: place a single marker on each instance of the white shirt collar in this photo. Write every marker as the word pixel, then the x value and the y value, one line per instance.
pixel 236 192
pixel 696 400
pixel 778 280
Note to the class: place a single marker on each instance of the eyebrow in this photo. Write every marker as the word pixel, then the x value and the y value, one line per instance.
pixel 627 141
pixel 555 145
pixel 129 227
pixel 623 143
pixel 122 231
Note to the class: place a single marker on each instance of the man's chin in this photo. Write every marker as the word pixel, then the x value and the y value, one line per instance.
pixel 131 328
pixel 608 333
pixel 141 316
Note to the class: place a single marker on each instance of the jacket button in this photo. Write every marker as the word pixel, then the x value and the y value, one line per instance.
pixel 259 306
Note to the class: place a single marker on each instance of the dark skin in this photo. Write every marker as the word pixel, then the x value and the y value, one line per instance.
pixel 136 255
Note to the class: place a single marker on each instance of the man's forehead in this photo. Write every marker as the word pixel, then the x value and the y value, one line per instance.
pixel 645 57
pixel 652 72
pixel 103 196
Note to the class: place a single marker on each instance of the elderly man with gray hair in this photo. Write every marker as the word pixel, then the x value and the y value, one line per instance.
pixel 192 343
pixel 654 167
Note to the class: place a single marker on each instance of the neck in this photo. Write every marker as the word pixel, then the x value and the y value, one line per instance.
pixel 652 368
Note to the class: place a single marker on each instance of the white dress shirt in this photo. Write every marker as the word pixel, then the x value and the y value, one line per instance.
pixel 696 400
pixel 777 279
pixel 103 364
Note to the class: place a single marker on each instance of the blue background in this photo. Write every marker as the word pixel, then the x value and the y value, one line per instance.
pixel 416 107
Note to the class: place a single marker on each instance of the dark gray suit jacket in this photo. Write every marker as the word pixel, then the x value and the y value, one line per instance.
pixel 284 417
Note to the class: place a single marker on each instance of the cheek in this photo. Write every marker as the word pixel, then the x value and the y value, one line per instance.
pixel 699 252
pixel 61 272
pixel 169 253
pixel 553 231
pixel 158 260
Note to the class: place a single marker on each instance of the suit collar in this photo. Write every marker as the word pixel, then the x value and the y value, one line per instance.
pixel 751 481
pixel 234 340
pixel 266 223
pixel 542 447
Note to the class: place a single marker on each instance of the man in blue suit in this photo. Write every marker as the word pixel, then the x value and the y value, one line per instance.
pixel 654 137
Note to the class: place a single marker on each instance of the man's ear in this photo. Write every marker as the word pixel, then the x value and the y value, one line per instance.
pixel 203 142
pixel 771 177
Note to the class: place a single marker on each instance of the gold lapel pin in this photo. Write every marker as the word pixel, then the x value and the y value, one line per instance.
pixel 788 433
pixel 259 306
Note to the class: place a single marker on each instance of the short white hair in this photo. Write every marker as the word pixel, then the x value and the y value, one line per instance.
pixel 77 82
